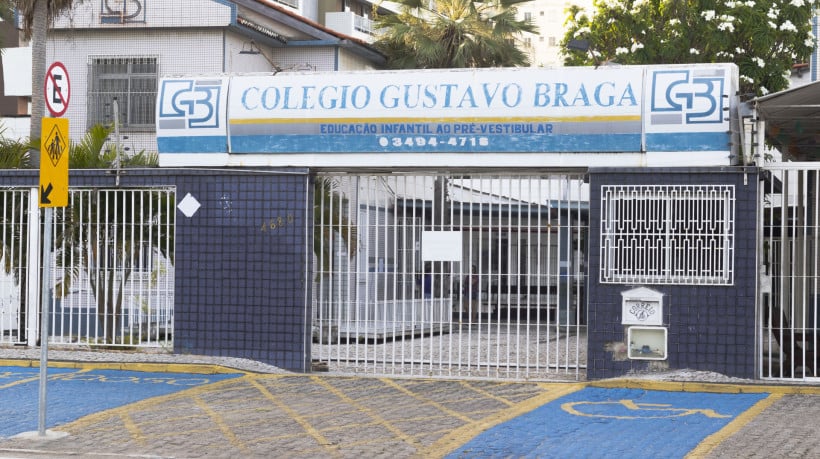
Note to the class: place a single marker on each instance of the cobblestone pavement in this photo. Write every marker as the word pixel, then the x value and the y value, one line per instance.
pixel 321 415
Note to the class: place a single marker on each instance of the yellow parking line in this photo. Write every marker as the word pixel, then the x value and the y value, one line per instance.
pixel 18 382
pixel 100 416
pixel 462 435
pixel 373 414
pixel 133 429
pixel 708 444
pixel 709 387
pixel 484 393
pixel 426 400
pixel 197 368
pixel 299 419
pixel 37 378
pixel 220 422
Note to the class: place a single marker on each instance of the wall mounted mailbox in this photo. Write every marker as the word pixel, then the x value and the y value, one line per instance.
pixel 647 343
pixel 642 306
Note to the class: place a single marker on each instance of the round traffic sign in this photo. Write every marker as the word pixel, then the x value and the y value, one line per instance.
pixel 57 89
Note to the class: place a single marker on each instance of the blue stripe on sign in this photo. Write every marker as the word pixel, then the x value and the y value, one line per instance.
pixel 571 143
pixel 688 141
pixel 623 423
pixel 579 143
pixel 193 144
pixel 72 394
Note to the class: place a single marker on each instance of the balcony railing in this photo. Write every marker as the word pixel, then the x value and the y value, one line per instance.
pixel 349 23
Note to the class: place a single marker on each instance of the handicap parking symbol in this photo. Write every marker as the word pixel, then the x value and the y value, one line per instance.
pixel 623 423
pixel 630 409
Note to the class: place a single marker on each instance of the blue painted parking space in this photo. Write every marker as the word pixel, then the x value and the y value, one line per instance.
pixel 74 393
pixel 623 423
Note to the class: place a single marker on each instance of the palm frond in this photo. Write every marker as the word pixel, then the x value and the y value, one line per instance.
pixel 453 34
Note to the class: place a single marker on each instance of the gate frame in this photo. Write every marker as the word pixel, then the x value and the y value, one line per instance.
pixel 765 333
pixel 581 301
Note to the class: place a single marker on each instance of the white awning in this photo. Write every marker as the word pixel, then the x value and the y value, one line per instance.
pixel 793 121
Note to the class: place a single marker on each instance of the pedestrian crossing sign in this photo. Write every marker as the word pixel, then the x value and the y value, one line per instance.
pixel 54 163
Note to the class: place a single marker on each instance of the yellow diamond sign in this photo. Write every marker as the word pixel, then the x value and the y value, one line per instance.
pixel 54 163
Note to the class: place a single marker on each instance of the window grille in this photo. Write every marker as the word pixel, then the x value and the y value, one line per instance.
pixel 667 234
pixel 132 81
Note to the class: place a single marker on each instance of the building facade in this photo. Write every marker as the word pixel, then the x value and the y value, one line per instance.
pixel 120 52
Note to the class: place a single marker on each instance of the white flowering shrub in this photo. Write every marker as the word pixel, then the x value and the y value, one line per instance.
pixel 765 38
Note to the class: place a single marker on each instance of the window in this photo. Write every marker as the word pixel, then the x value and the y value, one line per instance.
pixel 528 16
pixel 132 81
pixel 675 234
pixel 552 41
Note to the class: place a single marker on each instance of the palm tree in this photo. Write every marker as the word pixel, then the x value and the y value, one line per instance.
pixel 15 154
pixel 328 224
pixel 453 34
pixel 333 230
pixel 36 15
pixel 130 225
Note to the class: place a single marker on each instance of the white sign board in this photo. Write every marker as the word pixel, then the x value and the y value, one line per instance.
pixel 441 246
pixel 426 118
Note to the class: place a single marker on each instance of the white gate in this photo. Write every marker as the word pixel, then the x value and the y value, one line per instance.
pixel 790 270
pixel 451 275
pixel 112 268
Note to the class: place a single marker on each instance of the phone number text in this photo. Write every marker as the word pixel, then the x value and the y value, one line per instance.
pixel 418 141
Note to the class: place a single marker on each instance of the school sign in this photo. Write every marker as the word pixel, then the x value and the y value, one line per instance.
pixel 627 115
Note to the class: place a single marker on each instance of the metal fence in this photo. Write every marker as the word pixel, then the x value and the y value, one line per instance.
pixel 111 262
pixel 451 275
pixel 15 297
pixel 790 271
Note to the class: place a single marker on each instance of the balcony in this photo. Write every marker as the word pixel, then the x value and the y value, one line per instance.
pixel 350 24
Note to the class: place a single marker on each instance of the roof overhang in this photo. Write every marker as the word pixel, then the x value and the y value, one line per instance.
pixel 792 120
pixel 319 35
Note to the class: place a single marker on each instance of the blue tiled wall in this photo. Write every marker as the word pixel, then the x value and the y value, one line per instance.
pixel 710 328
pixel 241 266
pixel 240 260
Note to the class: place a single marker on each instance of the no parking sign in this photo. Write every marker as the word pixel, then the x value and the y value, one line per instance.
pixel 57 89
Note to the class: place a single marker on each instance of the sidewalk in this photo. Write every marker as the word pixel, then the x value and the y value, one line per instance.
pixel 230 413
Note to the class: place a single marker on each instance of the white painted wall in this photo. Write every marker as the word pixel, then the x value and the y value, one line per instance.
pixel 175 13
pixel 181 51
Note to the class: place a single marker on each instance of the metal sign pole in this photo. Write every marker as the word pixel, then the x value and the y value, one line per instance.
pixel 44 299
pixel 53 193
